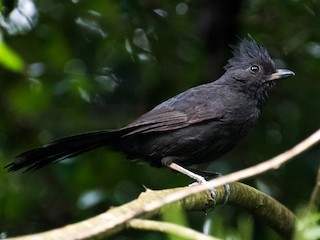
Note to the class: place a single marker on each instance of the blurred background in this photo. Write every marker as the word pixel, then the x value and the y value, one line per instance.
pixel 76 66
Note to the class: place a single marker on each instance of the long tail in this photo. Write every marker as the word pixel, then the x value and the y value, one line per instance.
pixel 62 149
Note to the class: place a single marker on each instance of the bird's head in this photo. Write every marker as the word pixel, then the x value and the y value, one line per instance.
pixel 251 64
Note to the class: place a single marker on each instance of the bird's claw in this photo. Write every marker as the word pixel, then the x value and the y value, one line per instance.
pixel 213 191
pixel 227 193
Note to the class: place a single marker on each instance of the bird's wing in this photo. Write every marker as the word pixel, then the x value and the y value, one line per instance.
pixel 166 119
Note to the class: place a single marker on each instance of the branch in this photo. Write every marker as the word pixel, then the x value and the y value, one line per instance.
pixel 168 228
pixel 315 196
pixel 116 219
pixel 148 205
pixel 264 207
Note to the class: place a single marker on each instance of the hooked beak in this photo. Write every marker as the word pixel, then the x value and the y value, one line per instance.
pixel 280 73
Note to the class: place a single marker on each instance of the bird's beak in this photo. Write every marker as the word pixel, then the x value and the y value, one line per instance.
pixel 280 73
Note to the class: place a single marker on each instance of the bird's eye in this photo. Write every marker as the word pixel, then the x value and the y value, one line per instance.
pixel 254 68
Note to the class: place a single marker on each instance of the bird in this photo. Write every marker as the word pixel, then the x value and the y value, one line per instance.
pixel 195 126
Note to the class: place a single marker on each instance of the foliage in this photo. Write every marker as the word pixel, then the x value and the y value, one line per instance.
pixel 75 66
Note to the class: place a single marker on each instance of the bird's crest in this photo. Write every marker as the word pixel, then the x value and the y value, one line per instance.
pixel 249 52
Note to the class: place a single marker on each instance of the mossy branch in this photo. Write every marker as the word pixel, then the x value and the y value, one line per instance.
pixel 117 219
pixel 150 203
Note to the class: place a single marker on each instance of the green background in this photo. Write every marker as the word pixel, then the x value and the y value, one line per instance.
pixel 78 66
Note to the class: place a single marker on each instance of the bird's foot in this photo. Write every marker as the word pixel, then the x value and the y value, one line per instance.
pixel 213 191
pixel 169 162
pixel 208 175
pixel 227 193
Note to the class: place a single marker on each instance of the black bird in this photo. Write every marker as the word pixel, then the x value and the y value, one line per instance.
pixel 195 126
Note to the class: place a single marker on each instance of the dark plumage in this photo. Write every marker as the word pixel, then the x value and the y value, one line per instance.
pixel 195 126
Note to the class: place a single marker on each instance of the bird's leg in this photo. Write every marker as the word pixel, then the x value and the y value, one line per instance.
pixel 207 174
pixel 169 162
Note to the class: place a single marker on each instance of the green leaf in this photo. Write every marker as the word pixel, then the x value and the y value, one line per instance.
pixel 9 59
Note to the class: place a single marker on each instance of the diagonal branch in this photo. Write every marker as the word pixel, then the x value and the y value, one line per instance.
pixel 196 198
pixel 116 219
pixel 169 228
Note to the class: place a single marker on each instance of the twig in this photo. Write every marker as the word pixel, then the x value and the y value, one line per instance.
pixel 315 196
pixel 168 228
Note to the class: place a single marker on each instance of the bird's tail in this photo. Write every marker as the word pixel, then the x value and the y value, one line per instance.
pixel 63 148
